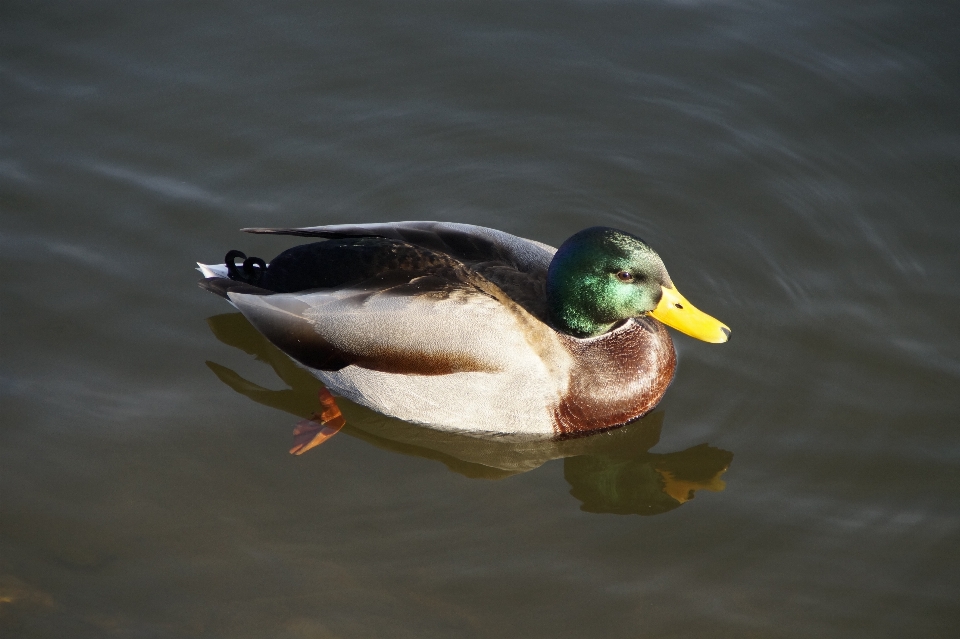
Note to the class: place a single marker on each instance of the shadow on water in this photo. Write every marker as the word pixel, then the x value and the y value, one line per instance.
pixel 610 472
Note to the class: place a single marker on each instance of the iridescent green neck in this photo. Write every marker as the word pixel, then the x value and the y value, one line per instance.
pixel 578 306
pixel 586 294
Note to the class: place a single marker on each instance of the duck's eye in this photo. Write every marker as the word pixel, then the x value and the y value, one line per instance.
pixel 625 276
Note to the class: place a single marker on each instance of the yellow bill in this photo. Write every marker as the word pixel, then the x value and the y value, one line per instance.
pixel 676 312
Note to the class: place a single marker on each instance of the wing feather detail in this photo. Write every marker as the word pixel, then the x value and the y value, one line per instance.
pixel 465 242
pixel 516 265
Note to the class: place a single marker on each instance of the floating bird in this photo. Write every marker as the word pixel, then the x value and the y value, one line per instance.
pixel 470 329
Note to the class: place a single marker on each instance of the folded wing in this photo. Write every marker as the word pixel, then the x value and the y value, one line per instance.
pixel 410 298
pixel 516 265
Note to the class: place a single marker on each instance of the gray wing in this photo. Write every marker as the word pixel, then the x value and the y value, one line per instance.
pixel 466 242
pixel 515 264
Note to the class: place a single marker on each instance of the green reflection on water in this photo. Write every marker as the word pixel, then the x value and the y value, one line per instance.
pixel 610 472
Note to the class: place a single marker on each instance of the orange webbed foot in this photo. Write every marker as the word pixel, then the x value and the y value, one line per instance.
pixel 320 427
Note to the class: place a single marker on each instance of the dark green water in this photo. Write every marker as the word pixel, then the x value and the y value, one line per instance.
pixel 796 164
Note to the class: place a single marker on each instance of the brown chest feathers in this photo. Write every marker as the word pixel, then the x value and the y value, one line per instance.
pixel 616 378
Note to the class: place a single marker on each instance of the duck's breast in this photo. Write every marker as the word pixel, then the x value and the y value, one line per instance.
pixel 615 377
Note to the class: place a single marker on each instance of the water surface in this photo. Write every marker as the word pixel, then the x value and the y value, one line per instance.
pixel 796 165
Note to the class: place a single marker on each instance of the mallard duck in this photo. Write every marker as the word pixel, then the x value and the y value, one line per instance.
pixel 470 329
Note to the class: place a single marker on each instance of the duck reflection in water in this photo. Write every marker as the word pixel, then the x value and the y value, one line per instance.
pixel 609 472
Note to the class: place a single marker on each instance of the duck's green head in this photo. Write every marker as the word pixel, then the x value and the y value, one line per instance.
pixel 601 277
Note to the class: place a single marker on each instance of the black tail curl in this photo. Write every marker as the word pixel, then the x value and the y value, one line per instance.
pixel 253 267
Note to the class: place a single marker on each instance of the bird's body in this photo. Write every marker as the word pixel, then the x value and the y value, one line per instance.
pixel 450 326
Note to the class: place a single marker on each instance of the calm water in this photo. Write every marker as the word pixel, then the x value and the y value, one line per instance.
pixel 797 165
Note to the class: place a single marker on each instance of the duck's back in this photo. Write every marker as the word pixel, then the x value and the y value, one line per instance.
pixel 518 266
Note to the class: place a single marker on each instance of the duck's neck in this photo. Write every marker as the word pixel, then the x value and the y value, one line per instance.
pixel 577 303
pixel 577 321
